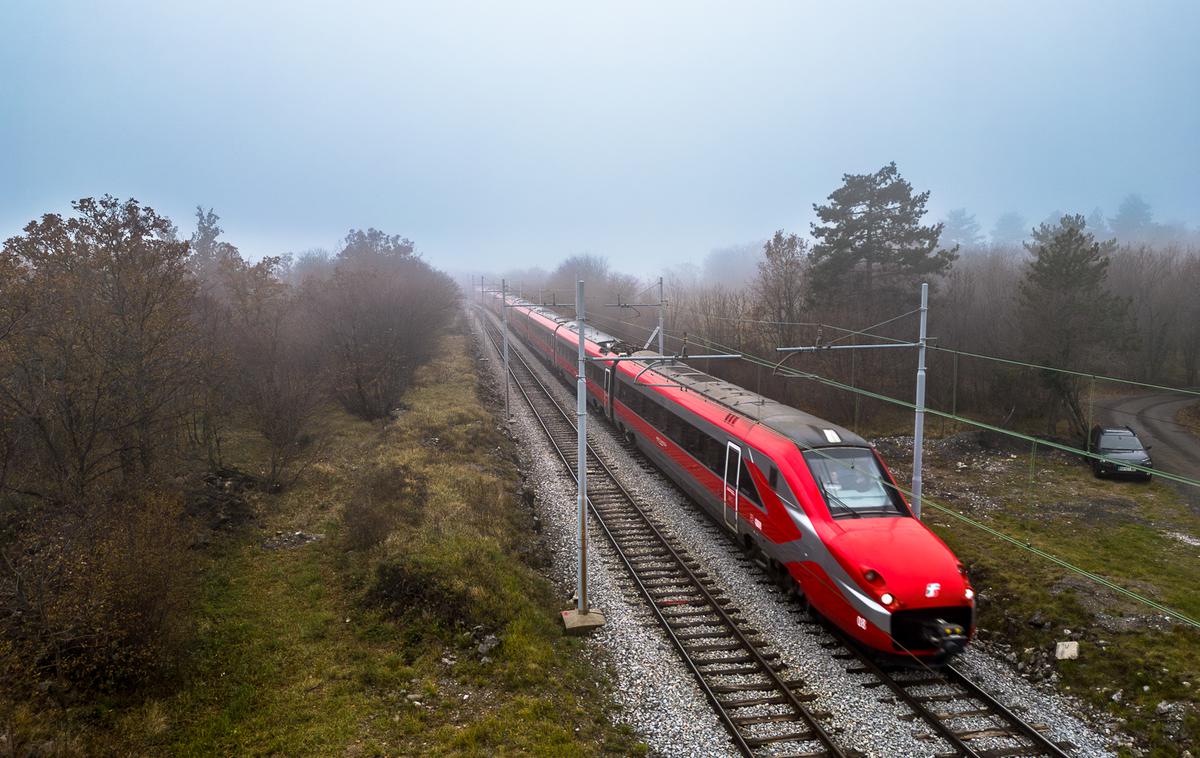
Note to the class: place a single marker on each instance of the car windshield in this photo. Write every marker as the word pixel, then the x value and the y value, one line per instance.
pixel 853 483
pixel 1120 442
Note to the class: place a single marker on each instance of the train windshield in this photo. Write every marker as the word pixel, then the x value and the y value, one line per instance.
pixel 853 483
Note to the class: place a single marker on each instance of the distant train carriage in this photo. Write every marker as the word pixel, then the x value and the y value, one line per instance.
pixel 815 499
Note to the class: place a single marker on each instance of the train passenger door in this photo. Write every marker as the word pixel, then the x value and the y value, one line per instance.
pixel 609 386
pixel 733 469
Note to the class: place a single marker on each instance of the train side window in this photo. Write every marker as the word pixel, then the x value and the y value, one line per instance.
pixel 691 441
pixel 746 488
pixel 714 455
pixel 773 477
pixel 675 432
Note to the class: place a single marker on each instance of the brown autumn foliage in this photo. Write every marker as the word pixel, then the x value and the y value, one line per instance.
pixel 95 598
pixel 975 307
pixel 127 356
pixel 378 316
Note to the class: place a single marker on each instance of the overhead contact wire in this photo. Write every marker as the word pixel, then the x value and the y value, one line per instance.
pixel 1182 617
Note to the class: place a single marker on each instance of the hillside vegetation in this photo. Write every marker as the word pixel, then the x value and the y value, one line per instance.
pixel 388 603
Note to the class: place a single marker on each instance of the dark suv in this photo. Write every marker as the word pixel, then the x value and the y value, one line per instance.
pixel 1120 450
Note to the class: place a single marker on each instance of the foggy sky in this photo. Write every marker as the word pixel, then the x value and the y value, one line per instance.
pixel 505 134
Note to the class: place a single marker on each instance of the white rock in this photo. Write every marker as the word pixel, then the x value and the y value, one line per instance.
pixel 1067 651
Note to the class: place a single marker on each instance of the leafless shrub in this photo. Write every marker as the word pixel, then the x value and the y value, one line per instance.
pixel 380 315
pixel 94 601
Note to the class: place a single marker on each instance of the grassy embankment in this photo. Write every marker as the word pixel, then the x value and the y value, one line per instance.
pixel 1131 533
pixel 366 642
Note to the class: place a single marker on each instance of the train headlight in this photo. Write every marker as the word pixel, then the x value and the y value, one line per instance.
pixel 969 593
pixel 886 598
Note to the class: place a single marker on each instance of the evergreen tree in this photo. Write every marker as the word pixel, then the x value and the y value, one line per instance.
pixel 1134 221
pixel 1009 229
pixel 207 252
pixel 1097 224
pixel 1069 319
pixel 871 242
pixel 960 230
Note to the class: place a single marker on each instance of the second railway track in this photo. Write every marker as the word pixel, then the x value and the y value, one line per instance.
pixel 765 711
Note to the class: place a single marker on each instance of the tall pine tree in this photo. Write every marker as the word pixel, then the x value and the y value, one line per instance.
pixel 871 245
pixel 1069 319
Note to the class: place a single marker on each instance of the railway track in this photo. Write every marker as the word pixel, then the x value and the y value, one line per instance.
pixel 957 710
pixel 765 712
pixel 951 708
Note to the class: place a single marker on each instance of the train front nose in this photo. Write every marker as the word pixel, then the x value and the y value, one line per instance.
pixel 947 637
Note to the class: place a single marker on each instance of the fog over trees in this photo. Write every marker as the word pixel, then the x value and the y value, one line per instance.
pixel 129 358
pixel 1109 294
pixel 133 357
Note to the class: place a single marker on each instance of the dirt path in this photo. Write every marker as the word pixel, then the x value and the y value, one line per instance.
pixel 1152 416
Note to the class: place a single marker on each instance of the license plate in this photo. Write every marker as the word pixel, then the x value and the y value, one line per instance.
pixel 1124 468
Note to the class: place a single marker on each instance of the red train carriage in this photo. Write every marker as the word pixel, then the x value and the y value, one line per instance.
pixel 814 498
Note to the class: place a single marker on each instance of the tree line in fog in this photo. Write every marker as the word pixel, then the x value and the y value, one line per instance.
pixel 131 360
pixel 1088 293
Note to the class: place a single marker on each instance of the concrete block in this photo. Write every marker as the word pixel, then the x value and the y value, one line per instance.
pixel 578 623
pixel 1067 651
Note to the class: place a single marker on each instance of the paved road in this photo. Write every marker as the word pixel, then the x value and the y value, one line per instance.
pixel 1152 416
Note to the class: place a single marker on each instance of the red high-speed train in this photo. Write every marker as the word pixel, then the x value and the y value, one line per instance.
pixel 815 499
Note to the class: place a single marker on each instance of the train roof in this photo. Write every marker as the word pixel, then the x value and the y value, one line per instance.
pixel 592 334
pixel 805 429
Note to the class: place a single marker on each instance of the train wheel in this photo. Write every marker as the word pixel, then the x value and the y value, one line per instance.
pixel 780 575
pixel 792 588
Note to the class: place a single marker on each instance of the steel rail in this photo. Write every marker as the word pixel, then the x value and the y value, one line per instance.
pixel 1040 740
pixel 1041 744
pixel 678 563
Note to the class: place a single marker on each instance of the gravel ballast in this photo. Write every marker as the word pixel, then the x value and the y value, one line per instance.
pixel 658 696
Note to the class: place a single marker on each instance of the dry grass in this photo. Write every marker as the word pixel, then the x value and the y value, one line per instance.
pixel 292 651
pixel 1129 532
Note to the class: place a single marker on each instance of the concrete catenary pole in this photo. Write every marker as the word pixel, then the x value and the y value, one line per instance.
pixel 919 422
pixel 661 303
pixel 504 318
pixel 581 453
